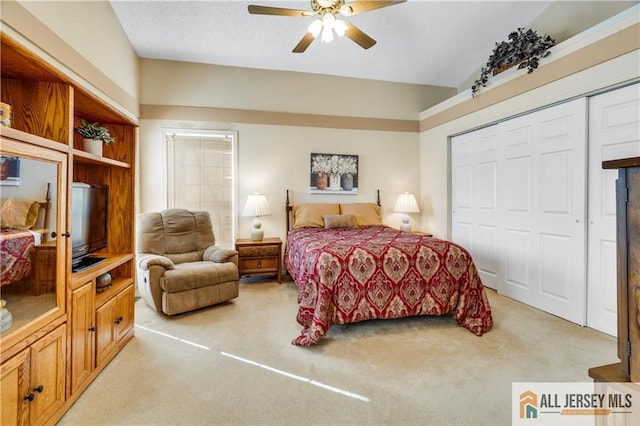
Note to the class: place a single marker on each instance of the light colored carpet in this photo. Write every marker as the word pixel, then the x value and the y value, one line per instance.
pixel 225 365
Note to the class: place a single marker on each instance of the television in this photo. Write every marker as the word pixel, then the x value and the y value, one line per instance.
pixel 89 218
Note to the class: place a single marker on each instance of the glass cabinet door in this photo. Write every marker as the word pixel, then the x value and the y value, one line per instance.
pixel 32 236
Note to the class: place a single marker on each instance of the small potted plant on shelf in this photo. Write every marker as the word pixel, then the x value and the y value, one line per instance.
pixel 94 136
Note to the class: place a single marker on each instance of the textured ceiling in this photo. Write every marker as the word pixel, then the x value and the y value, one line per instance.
pixel 440 43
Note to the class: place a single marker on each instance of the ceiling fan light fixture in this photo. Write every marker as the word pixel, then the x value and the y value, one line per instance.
pixel 327 34
pixel 340 27
pixel 326 3
pixel 328 20
pixel 315 28
pixel 346 10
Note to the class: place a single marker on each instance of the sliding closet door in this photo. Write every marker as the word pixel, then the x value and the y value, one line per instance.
pixel 475 215
pixel 543 159
pixel 614 132
pixel 518 204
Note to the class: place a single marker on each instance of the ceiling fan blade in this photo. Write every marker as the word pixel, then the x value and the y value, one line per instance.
pixel 279 11
pixel 358 36
pixel 360 6
pixel 304 43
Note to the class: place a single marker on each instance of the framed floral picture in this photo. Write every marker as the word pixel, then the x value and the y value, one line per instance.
pixel 9 170
pixel 333 174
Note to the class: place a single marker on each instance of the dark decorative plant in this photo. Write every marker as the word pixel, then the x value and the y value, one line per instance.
pixel 524 48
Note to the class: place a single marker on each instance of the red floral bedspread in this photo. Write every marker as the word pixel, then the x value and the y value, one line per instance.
pixel 351 275
pixel 16 254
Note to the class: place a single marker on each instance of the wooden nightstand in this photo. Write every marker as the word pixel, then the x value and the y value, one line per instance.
pixel 44 268
pixel 260 257
pixel 422 233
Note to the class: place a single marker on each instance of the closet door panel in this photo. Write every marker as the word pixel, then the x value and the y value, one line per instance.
pixel 614 132
pixel 475 203
pixel 517 261
pixel 557 197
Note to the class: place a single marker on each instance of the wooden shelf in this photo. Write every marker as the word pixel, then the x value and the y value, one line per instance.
pixel 83 157
pixel 21 136
pixel 608 373
pixel 112 262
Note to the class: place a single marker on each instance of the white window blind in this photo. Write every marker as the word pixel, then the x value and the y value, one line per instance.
pixel 201 176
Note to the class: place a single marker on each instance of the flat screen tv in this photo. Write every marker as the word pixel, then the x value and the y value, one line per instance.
pixel 89 218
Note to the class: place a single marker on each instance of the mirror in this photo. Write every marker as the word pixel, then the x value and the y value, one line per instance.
pixel 28 216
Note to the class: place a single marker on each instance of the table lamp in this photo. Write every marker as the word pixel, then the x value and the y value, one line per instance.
pixel 406 204
pixel 256 206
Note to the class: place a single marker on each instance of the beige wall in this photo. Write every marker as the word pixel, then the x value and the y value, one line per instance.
pixel 274 158
pixel 182 83
pixel 282 117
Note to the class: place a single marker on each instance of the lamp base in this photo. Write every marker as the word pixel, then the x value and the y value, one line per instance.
pixel 405 227
pixel 257 234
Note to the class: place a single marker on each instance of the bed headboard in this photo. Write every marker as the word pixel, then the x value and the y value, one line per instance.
pixel 46 206
pixel 289 209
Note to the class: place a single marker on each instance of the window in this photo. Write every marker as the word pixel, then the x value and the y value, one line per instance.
pixel 201 175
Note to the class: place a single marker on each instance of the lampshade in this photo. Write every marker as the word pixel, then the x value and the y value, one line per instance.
pixel 406 204
pixel 256 206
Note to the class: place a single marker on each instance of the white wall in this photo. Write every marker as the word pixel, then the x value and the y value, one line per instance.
pixel 273 159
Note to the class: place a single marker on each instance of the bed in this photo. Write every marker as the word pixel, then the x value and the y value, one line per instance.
pixel 19 236
pixel 350 267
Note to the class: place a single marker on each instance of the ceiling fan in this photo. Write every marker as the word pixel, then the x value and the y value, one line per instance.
pixel 327 22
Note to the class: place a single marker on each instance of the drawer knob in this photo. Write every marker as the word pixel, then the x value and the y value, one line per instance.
pixel 119 320
pixel 30 397
pixel 39 389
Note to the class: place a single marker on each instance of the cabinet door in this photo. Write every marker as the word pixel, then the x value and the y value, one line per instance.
pixel 113 320
pixel 123 322
pixel 106 337
pixel 82 335
pixel 33 283
pixel 48 362
pixel 14 385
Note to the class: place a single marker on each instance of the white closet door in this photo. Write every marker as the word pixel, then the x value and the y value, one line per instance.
pixel 518 205
pixel 474 182
pixel 614 132
pixel 543 230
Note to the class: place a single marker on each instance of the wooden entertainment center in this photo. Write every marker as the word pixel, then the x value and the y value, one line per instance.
pixel 628 274
pixel 52 352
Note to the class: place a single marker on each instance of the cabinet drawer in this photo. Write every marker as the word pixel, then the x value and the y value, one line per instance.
pixel 265 264
pixel 259 251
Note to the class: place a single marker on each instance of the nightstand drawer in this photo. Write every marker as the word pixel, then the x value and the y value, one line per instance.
pixel 263 264
pixel 259 251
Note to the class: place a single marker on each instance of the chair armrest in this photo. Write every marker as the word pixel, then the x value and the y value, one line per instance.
pixel 146 260
pixel 219 254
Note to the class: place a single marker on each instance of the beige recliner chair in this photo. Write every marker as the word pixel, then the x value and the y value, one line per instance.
pixel 179 267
